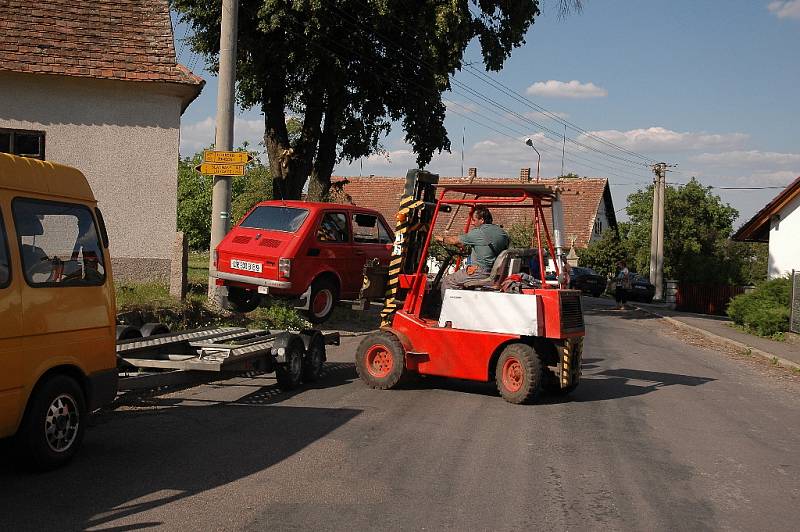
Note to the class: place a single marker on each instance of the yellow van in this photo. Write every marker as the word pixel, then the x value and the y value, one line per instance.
pixel 57 317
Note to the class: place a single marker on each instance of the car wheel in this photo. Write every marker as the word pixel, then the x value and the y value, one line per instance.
pixel 323 299
pixel 519 374
pixel 53 427
pixel 242 300
pixel 380 360
pixel 597 293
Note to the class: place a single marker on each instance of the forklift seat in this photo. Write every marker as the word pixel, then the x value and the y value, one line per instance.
pixel 501 269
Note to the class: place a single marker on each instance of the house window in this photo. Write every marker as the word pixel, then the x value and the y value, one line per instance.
pixel 22 142
pixel 598 226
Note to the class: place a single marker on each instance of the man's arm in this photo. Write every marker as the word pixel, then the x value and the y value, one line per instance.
pixel 448 239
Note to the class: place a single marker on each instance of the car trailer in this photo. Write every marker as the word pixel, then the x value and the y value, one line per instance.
pixel 295 357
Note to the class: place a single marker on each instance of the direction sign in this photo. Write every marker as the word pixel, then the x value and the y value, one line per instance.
pixel 220 169
pixel 226 157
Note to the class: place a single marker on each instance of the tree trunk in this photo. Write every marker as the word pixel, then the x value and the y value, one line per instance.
pixel 276 138
pixel 320 181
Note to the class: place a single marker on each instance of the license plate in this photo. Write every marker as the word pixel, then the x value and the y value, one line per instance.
pixel 246 266
pixel 263 289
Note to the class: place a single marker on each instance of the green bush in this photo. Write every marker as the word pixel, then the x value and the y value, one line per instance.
pixel 765 310
pixel 278 315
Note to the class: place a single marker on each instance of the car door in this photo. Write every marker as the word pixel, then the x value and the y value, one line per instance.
pixel 371 239
pixel 10 332
pixel 336 249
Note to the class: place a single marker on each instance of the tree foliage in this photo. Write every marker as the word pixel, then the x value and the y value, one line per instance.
pixel 194 196
pixel 349 68
pixel 602 255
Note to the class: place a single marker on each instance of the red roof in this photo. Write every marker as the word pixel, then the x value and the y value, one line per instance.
pixel 757 228
pixel 109 39
pixel 581 198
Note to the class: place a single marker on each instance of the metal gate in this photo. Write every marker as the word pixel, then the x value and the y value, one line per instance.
pixel 794 319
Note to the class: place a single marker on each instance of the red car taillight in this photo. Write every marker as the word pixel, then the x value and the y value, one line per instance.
pixel 216 258
pixel 285 268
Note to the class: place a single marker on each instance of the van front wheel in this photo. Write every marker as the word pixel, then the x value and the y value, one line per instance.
pixel 53 428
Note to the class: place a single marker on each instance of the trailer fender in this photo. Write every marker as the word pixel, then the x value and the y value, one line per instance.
pixel 282 343
pixel 313 337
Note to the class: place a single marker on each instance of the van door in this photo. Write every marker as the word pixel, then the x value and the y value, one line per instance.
pixel 10 334
pixel 65 292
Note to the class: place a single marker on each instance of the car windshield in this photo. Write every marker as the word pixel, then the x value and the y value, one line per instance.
pixel 275 218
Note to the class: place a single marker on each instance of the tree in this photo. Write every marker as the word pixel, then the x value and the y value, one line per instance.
pixel 697 226
pixel 350 68
pixel 602 255
pixel 194 196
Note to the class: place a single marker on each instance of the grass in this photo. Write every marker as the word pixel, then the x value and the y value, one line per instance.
pixel 137 295
pixel 198 267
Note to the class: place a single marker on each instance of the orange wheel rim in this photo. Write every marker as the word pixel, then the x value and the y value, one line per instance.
pixel 513 375
pixel 379 361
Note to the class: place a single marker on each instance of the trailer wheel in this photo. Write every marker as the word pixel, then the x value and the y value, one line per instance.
pixel 152 329
pixel 314 359
pixel 53 427
pixel 242 300
pixel 519 374
pixel 128 332
pixel 380 360
pixel 290 373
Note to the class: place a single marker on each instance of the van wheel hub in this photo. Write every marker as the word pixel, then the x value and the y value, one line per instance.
pixel 61 423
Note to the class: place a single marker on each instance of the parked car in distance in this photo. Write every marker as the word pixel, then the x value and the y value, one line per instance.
pixel 308 251
pixel 587 280
pixel 641 289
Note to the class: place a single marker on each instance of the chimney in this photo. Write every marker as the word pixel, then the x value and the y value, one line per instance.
pixel 525 175
pixel 472 173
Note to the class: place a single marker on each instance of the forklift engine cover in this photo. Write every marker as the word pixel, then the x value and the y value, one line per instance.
pixel 495 312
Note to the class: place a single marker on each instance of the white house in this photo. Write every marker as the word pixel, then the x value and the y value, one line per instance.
pixel 95 85
pixel 779 224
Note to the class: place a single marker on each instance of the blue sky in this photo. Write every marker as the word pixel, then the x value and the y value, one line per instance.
pixel 711 86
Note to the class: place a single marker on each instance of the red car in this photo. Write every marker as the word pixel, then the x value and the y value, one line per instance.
pixel 298 249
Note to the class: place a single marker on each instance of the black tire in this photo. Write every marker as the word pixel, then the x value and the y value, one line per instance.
pixel 242 300
pixel 519 374
pixel 128 332
pixel 380 360
pixel 52 430
pixel 597 293
pixel 553 385
pixel 314 359
pixel 153 329
pixel 323 299
pixel 290 373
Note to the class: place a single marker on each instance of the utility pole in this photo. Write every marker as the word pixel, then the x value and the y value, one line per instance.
pixel 223 139
pixel 657 230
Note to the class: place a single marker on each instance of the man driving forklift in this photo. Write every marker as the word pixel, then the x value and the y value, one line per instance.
pixel 487 241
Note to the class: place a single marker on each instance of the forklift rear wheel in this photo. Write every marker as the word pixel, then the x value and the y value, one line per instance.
pixel 290 373
pixel 380 360
pixel 519 374
pixel 322 301
pixel 242 300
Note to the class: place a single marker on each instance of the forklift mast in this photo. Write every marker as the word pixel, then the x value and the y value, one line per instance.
pixel 413 224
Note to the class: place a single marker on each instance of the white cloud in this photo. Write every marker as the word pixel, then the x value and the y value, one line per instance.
pixel 569 89
pixel 785 8
pixel 198 135
pixel 761 178
pixel 749 158
pixel 659 139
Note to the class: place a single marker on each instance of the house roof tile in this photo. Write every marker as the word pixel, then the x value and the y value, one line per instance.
pixel 127 40
pixel 581 198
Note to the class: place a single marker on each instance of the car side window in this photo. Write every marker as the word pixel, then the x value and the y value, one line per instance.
pixel 59 243
pixel 365 228
pixel 5 261
pixel 383 234
pixel 333 228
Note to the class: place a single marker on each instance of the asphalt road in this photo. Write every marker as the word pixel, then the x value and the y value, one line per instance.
pixel 660 435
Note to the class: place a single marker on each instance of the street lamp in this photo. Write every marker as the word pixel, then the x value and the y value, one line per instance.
pixel 529 142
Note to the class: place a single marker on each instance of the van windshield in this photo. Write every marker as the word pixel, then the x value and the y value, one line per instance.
pixel 286 219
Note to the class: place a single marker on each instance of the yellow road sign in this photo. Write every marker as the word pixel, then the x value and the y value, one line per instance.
pixel 226 157
pixel 220 169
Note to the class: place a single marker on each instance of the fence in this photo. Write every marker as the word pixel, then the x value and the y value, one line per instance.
pixel 704 298
pixel 794 317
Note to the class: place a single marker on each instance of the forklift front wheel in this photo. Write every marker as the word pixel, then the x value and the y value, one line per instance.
pixel 519 374
pixel 380 360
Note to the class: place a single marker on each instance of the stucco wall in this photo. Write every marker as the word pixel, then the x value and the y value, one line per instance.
pixel 784 249
pixel 124 137
pixel 603 219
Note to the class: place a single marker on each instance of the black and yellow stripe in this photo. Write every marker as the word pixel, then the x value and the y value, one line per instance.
pixel 407 205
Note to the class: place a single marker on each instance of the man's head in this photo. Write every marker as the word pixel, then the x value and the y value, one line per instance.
pixel 481 215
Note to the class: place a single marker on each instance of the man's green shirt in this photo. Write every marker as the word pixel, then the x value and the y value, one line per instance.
pixel 487 241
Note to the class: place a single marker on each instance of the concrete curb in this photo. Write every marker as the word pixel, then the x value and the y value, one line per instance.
pixel 721 339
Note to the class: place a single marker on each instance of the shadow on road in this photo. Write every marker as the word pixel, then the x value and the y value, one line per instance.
pixel 619 383
pixel 139 460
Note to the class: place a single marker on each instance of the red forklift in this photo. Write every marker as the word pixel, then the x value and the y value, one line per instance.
pixel 517 327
